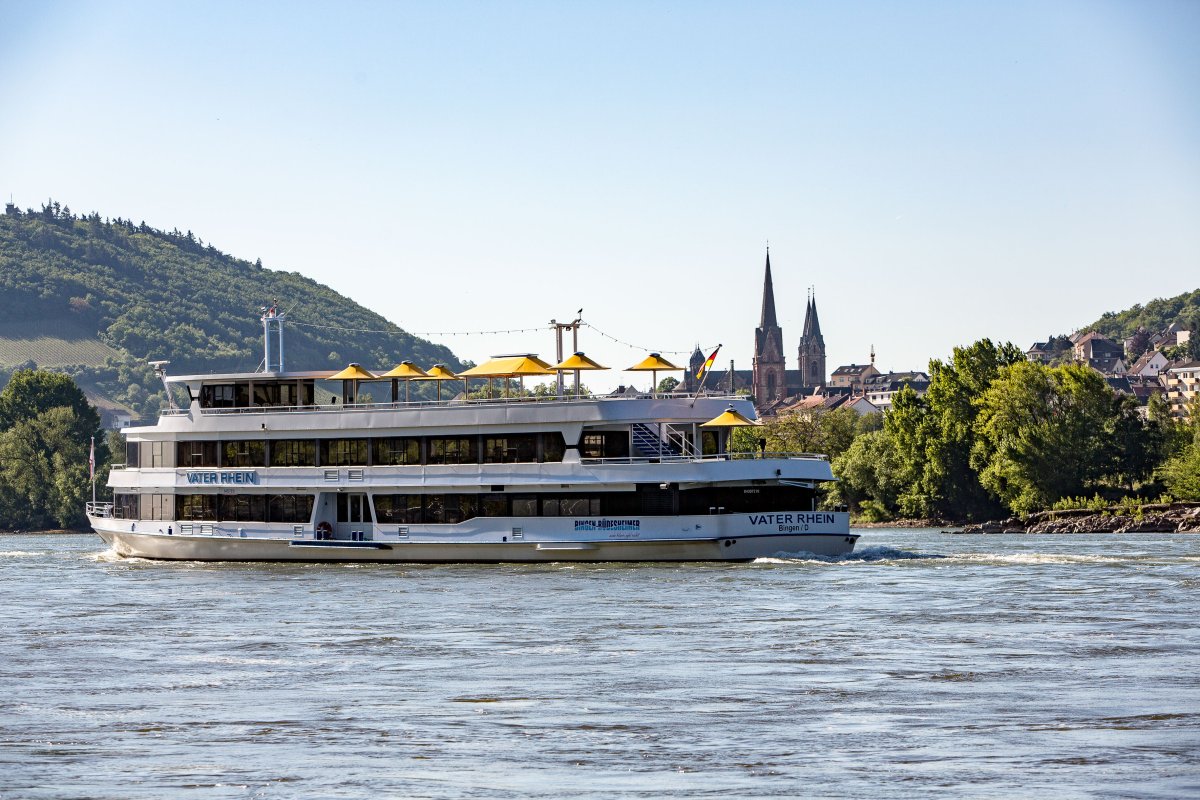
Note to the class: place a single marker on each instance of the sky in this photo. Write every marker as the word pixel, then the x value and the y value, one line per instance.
pixel 937 172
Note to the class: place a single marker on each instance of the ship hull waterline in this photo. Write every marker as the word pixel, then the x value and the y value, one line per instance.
pixel 221 548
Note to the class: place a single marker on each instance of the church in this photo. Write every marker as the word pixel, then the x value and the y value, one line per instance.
pixel 769 381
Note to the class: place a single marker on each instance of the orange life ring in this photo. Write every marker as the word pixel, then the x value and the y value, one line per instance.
pixel 324 529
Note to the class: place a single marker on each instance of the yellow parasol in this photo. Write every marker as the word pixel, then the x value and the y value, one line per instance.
pixel 576 363
pixel 439 373
pixel 350 377
pixel 514 366
pixel 729 418
pixel 406 370
pixel 653 363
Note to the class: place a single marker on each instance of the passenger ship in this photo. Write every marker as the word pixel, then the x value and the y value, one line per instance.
pixel 254 468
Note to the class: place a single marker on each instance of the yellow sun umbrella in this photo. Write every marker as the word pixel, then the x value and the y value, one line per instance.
pixel 509 367
pixel 652 364
pixel 729 418
pixel 354 372
pixel 513 366
pixel 405 370
pixel 576 363
pixel 350 377
pixel 439 373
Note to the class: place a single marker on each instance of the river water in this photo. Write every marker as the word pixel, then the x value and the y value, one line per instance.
pixel 927 664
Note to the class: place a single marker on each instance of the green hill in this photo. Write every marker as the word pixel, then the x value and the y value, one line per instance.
pixel 1153 317
pixel 96 298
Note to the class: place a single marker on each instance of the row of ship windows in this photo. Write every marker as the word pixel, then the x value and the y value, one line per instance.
pixel 389 508
pixel 413 508
pixel 384 451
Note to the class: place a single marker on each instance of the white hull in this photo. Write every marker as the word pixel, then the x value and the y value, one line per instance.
pixel 727 538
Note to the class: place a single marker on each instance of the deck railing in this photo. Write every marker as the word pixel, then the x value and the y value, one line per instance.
pixel 455 403
pixel 99 510
pixel 685 459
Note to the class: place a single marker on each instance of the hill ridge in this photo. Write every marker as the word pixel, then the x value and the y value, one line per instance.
pixel 125 293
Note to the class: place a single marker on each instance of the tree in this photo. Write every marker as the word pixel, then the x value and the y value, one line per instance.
pixel 1138 343
pixel 46 427
pixel 667 385
pixel 871 477
pixel 30 392
pixel 1044 433
pixel 949 487
pixel 44 470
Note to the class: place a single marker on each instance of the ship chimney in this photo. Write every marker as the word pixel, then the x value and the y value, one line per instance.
pixel 272 322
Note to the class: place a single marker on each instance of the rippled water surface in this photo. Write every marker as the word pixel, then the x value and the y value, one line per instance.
pixel 927 664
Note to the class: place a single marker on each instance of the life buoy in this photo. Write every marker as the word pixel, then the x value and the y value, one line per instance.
pixel 324 530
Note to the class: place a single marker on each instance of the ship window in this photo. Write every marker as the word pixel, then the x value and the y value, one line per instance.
pixel 289 507
pixel 197 454
pixel 492 505
pixel 133 452
pixel 552 447
pixel 217 395
pixel 196 506
pixel 343 452
pixel 453 450
pixel 510 449
pixel 605 444
pixel 244 453
pixel 397 451
pixel 458 507
pixel 125 506
pixel 266 394
pixel 243 507
pixel 398 508
pixel 553 506
pixel 435 508
pixel 524 506
pixel 449 509
pixel 293 453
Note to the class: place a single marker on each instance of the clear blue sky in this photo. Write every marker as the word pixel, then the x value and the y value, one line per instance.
pixel 940 172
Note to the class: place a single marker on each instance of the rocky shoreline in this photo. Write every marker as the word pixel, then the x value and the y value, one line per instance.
pixel 1153 518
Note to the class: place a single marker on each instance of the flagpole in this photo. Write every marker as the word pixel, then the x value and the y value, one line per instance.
pixel 707 369
pixel 92 468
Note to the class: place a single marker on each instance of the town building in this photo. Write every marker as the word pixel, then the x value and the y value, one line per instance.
pixel 881 388
pixel 1182 384
pixel 853 377
pixel 1149 364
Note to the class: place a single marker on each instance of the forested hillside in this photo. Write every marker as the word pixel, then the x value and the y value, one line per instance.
pixel 1152 317
pixel 96 298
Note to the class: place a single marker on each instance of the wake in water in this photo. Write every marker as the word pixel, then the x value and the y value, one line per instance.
pixel 874 554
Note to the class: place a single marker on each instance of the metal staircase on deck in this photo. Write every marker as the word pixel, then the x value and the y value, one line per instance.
pixel 648 444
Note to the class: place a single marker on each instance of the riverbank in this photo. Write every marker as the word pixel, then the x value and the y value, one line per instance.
pixel 1151 518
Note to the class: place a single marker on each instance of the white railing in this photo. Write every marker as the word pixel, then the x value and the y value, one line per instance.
pixel 421 404
pixel 686 459
pixel 104 510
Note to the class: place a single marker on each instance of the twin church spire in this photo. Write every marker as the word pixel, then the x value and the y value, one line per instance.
pixel 771 379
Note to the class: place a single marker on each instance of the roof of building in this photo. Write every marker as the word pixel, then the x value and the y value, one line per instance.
pixel 853 369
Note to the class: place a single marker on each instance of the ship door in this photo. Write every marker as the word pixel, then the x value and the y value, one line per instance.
pixel 353 516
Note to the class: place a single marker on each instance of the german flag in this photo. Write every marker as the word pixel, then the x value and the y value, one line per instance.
pixel 707 365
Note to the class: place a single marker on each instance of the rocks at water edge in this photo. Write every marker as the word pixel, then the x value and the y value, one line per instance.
pixel 1154 518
